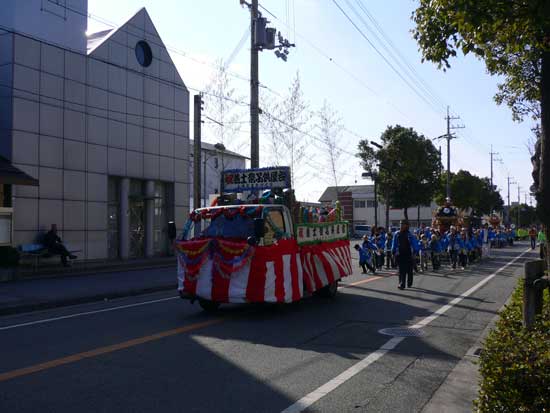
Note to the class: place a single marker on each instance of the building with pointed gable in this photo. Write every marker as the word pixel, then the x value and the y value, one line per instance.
pixel 101 121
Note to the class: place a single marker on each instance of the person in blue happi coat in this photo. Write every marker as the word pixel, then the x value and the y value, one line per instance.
pixel 404 247
pixel 454 245
pixel 364 258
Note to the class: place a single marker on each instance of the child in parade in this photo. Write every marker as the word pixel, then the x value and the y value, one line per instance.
pixel 435 251
pixel 424 252
pixel 463 252
pixel 390 262
pixel 364 259
pixel 370 248
pixel 454 246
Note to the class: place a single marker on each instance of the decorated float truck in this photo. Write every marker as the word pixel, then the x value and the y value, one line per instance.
pixel 269 250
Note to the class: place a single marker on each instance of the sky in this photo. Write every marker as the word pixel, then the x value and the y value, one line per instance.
pixel 337 64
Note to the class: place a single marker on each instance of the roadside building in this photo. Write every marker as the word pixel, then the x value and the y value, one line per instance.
pixel 359 207
pixel 101 120
pixel 214 159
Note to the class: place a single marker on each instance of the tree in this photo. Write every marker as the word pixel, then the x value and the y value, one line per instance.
pixel 288 129
pixel 329 125
pixel 219 104
pixel 513 39
pixel 527 215
pixel 408 167
pixel 470 192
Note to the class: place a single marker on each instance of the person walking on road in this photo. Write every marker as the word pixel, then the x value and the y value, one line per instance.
pixel 454 246
pixel 533 237
pixel 364 259
pixel 404 247
pixel 389 256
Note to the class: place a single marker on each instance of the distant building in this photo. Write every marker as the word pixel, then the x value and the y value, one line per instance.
pixel 358 205
pixel 101 121
pixel 213 162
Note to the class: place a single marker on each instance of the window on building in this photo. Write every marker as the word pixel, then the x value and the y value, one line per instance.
pixel 370 204
pixel 358 204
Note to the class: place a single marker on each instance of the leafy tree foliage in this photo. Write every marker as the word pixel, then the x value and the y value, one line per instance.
pixel 513 39
pixel 471 191
pixel 408 167
pixel 510 36
pixel 527 215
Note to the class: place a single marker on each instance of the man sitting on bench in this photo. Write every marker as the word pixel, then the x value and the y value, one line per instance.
pixel 55 245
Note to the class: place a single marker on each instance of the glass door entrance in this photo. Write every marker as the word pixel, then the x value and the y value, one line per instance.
pixel 136 219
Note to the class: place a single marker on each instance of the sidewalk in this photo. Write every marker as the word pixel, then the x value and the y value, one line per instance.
pixel 42 293
pixel 457 393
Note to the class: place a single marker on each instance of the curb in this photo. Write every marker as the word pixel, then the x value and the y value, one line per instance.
pixel 45 305
pixel 92 271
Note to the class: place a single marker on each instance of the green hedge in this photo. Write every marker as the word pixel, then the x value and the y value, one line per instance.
pixel 515 363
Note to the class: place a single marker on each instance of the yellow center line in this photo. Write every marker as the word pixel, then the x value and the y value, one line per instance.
pixel 25 371
pixel 105 350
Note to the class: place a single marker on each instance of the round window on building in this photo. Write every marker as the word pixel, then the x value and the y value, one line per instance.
pixel 144 55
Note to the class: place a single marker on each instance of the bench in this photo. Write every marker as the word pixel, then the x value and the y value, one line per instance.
pixel 38 251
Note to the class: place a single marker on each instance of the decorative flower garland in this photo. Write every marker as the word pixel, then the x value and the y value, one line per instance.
pixel 192 257
pixel 228 212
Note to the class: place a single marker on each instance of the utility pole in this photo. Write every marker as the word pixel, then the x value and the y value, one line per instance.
pixel 519 208
pixel 197 120
pixel 375 179
pixel 254 91
pixel 493 159
pixel 449 136
pixel 510 181
pixel 261 38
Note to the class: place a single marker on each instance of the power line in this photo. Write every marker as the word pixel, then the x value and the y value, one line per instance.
pixel 415 76
pixel 349 73
pixel 235 101
pixel 382 55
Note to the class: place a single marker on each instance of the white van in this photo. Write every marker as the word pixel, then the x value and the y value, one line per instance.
pixel 360 229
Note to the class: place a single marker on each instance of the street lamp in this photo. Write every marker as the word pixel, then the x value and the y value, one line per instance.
pixel 374 176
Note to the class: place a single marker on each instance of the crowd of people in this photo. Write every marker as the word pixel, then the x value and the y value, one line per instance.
pixel 424 247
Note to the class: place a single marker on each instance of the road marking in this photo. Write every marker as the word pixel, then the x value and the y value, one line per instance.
pixel 331 385
pixel 120 307
pixel 105 350
pixel 368 280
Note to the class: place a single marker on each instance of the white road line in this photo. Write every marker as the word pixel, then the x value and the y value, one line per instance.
pixel 121 307
pixel 331 385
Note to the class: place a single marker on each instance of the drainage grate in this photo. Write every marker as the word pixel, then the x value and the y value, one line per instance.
pixel 402 332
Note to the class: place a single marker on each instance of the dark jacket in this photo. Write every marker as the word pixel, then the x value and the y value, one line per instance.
pixel 50 239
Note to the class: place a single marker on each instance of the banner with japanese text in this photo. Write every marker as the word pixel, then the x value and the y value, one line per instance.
pixel 238 180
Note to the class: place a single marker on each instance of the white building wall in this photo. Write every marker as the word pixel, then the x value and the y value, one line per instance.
pixel 62 22
pixel 213 173
pixel 365 215
pixel 77 119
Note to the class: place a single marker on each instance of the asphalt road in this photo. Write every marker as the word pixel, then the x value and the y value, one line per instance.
pixel 159 353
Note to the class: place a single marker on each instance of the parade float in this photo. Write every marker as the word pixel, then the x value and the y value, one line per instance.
pixel 446 216
pixel 250 248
